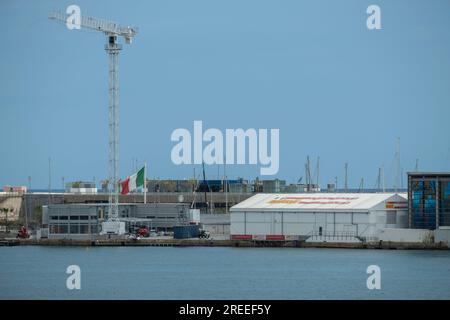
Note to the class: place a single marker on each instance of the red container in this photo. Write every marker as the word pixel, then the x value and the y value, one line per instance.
pixel 241 237
pixel 274 237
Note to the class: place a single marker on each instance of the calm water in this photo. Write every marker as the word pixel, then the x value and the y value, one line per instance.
pixel 221 273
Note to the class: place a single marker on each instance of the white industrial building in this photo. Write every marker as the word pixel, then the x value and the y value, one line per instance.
pixel 83 221
pixel 318 216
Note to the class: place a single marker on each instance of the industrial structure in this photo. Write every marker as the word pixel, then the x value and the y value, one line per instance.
pixel 324 217
pixel 84 221
pixel 112 31
pixel 429 200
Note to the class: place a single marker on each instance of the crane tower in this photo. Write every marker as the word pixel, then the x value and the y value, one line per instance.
pixel 112 31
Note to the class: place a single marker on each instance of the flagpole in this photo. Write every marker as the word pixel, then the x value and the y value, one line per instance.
pixel 145 182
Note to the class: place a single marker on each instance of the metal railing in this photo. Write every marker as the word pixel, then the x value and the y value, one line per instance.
pixel 332 235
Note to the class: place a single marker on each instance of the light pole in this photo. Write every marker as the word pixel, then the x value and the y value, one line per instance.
pixel 6 213
pixel 63 189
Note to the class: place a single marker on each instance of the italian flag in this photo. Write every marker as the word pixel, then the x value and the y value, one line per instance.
pixel 133 182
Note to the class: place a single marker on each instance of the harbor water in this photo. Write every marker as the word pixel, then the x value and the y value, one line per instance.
pixel 33 272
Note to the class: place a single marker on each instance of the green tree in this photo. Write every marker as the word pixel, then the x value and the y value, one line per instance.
pixel 5 211
pixel 38 215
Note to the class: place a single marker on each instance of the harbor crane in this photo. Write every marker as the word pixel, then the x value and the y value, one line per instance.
pixel 112 31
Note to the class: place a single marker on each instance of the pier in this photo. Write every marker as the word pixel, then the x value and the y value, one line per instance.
pixel 169 242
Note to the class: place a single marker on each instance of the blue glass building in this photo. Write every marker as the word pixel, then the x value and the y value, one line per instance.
pixel 429 200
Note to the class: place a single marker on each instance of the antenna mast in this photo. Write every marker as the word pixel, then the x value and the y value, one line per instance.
pixel 318 172
pixel 346 177
pixel 397 177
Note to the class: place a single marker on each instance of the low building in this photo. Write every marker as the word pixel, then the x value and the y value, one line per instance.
pixel 232 185
pixel 81 187
pixel 15 189
pixel 323 216
pixel 273 186
pixel 237 185
pixel 170 185
pixel 300 188
pixel 188 186
pixel 83 221
pixel 216 224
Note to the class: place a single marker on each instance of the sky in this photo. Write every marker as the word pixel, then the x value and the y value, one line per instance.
pixel 312 69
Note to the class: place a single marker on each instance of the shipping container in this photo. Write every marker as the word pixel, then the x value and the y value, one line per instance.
pixel 185 232
pixel 241 237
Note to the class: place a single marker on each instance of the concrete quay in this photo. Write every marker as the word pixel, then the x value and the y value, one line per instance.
pixel 169 242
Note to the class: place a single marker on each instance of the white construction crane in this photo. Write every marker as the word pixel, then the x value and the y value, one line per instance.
pixel 112 31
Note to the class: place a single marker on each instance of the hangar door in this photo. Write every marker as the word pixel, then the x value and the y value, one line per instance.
pixel 320 224
pixel 277 223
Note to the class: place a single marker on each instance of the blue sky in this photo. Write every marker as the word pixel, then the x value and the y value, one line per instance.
pixel 310 68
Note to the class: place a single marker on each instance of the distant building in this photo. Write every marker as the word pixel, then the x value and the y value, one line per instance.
pixel 168 185
pixel 188 186
pixel 15 189
pixel 300 188
pixel 273 186
pixel 81 187
pixel 331 187
pixel 429 200
pixel 236 185
pixel 293 188
pixel 280 186
pixel 257 186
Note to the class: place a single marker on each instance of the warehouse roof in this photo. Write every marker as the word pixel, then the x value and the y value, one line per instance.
pixel 319 201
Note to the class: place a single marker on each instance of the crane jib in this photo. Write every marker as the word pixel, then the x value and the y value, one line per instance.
pixel 108 27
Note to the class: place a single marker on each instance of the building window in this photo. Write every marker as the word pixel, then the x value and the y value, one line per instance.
pixel 63 229
pixel 391 217
pixel 53 228
pixel 444 203
pixel 94 228
pixel 429 200
pixel 74 229
pixel 84 229
pixel 424 204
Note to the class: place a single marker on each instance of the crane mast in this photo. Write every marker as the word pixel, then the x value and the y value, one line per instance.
pixel 112 31
pixel 113 49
